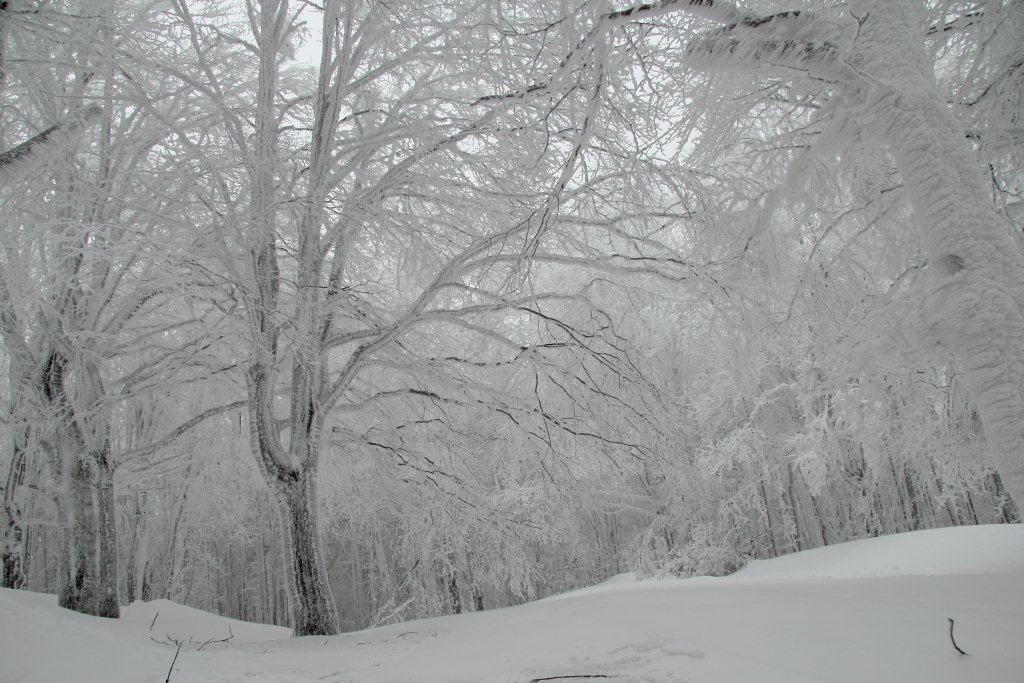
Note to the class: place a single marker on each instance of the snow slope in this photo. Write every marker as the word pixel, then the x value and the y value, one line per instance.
pixel 989 549
pixel 872 610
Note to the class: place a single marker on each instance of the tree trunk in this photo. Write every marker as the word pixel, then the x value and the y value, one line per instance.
pixel 107 591
pixel 88 578
pixel 975 308
pixel 13 532
pixel 141 558
pixel 79 577
pixel 770 529
pixel 454 593
pixel 1006 508
pixel 313 606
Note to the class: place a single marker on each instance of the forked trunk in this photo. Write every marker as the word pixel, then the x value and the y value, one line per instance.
pixel 291 476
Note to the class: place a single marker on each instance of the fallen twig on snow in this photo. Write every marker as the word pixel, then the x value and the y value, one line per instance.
pixel 176 653
pixel 222 640
pixel 952 639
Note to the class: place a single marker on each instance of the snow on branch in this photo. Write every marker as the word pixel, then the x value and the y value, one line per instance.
pixel 731 52
pixel 175 433
pixel 802 41
pixel 962 22
pixel 714 9
pixel 50 138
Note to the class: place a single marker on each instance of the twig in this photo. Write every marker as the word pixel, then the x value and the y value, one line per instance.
pixel 952 639
pixel 558 678
pixel 176 652
pixel 222 640
pixel 154 621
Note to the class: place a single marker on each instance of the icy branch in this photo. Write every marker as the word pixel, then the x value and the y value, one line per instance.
pixel 49 139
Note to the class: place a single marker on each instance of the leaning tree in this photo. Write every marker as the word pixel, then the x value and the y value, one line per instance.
pixel 871 62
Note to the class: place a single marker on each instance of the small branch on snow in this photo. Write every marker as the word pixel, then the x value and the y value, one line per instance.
pixel 952 639
pixel 222 640
pixel 559 678
pixel 154 621
pixel 176 653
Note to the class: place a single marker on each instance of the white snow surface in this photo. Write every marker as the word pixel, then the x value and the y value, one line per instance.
pixel 988 549
pixel 871 610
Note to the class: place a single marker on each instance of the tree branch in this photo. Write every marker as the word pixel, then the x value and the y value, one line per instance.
pixel 179 430
pixel 19 154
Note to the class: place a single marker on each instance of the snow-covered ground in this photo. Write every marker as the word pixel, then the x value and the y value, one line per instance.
pixel 868 611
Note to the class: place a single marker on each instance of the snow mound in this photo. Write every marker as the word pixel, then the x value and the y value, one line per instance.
pixel 985 549
pixel 952 551
pixel 171 620
pixel 40 641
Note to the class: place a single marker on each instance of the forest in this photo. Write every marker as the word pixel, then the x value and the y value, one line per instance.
pixel 334 314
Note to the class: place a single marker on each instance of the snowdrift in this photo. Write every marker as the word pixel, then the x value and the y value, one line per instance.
pixel 871 610
pixel 989 549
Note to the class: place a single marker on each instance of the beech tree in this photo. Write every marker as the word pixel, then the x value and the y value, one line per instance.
pixel 88 283
pixel 393 171
pixel 77 445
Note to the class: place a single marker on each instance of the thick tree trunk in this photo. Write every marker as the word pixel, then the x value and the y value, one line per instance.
pixel 313 607
pixel 79 577
pixel 88 579
pixel 13 531
pixel 454 593
pixel 12 554
pixel 976 304
pixel 106 594
pixel 291 475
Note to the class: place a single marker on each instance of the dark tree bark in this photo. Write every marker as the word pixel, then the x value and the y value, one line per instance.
pixel 13 538
pixel 107 603
pixel 454 594
pixel 88 580
pixel 315 612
